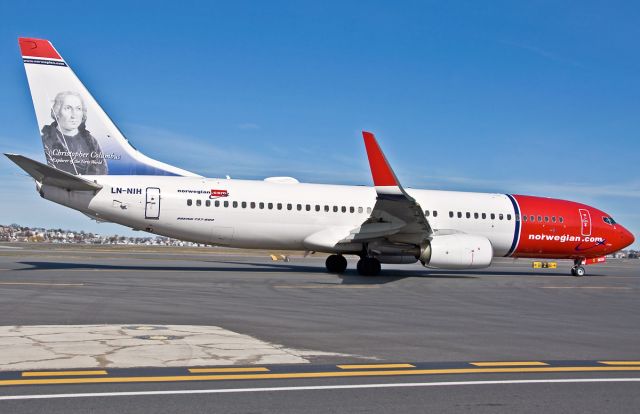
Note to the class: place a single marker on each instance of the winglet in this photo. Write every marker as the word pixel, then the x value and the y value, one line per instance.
pixel 37 48
pixel 384 178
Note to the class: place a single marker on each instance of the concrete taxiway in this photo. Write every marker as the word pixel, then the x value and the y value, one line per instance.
pixel 275 336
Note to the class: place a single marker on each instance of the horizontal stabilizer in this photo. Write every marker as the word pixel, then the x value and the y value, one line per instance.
pixel 45 174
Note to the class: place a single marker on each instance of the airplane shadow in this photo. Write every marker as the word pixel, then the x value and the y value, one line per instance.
pixel 350 277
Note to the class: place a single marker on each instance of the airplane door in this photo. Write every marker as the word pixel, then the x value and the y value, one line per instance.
pixel 585 222
pixel 152 204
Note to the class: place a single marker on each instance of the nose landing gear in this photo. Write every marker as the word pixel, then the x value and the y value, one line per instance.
pixel 577 270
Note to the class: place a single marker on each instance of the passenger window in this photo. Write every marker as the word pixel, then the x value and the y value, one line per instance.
pixel 279 206
pixel 493 216
pixel 500 216
pixel 484 216
pixel 360 210
pixel 335 209
pixel 546 219
pixel 189 202
pixel 270 206
pixel 524 218
pixel 289 206
pixel 561 219
pixel 459 214
pixel 226 204
pixel 299 207
pixel 426 213
pixel 198 203
pixel 207 203
pixel 235 204
pixel 326 208
pixel 261 205
pixel 352 209
pixel 475 215
pixel 539 218
pixel 435 213
pixel 553 219
pixel 244 204
pixel 368 210
pixel 451 214
pixel 308 207
pixel 216 203
pixel 508 216
pixel 532 218
pixel 317 207
pixel 253 204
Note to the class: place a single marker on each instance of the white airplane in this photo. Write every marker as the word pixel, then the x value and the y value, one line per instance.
pixel 91 167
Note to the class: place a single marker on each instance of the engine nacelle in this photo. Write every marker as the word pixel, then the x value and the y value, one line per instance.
pixel 457 251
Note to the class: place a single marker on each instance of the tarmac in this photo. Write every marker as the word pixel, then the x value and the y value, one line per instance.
pixel 177 330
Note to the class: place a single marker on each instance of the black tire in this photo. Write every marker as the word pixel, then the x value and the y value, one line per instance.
pixel 336 263
pixel 579 272
pixel 573 271
pixel 361 267
pixel 369 266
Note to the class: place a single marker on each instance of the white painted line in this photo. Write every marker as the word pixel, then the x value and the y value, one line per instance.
pixel 314 388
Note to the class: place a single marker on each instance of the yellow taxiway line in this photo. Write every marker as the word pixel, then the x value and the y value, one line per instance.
pixel 226 370
pixel 294 375
pixel 509 364
pixel 61 373
pixel 375 366
pixel 620 362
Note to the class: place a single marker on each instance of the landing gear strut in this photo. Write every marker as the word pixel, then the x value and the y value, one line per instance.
pixel 336 263
pixel 577 270
pixel 369 266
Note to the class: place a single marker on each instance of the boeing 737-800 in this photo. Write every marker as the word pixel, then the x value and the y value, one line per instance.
pixel 91 167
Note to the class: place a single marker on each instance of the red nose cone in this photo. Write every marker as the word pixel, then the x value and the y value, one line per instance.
pixel 627 237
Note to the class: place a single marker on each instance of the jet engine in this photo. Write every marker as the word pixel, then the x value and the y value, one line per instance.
pixel 457 251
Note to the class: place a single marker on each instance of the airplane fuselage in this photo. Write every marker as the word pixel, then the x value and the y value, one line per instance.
pixel 285 215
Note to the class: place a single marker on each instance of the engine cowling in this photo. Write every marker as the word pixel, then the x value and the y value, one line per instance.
pixel 457 251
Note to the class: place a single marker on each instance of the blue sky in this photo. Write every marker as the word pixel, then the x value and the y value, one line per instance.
pixel 537 98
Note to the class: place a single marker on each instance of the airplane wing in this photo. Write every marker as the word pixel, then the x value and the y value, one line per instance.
pixel 396 215
pixel 45 174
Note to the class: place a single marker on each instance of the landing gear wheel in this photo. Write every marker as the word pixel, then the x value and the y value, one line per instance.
pixel 336 263
pixel 369 266
pixel 579 271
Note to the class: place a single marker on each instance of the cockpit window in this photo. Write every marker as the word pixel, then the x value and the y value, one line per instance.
pixel 609 220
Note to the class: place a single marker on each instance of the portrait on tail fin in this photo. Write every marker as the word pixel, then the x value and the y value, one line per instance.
pixel 68 145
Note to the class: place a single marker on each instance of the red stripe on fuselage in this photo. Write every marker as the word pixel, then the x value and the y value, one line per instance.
pixel 547 238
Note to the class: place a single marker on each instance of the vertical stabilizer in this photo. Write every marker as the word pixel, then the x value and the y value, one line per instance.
pixel 77 135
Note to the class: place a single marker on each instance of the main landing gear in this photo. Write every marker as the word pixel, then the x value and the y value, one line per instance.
pixel 369 266
pixel 336 263
pixel 577 270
